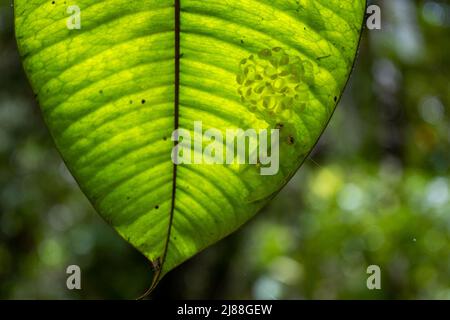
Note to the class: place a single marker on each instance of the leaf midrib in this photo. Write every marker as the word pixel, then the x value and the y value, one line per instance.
pixel 177 20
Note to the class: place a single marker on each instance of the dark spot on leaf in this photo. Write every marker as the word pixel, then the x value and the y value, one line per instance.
pixel 323 57
pixel 143 101
pixel 335 99
pixel 156 207
pixel 291 140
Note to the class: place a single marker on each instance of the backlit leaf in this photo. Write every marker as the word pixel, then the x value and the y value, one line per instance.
pixel 113 91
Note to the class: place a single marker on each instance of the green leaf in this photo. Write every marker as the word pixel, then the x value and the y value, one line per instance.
pixel 113 92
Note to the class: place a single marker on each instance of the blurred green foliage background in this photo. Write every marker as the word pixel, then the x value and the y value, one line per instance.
pixel 376 190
